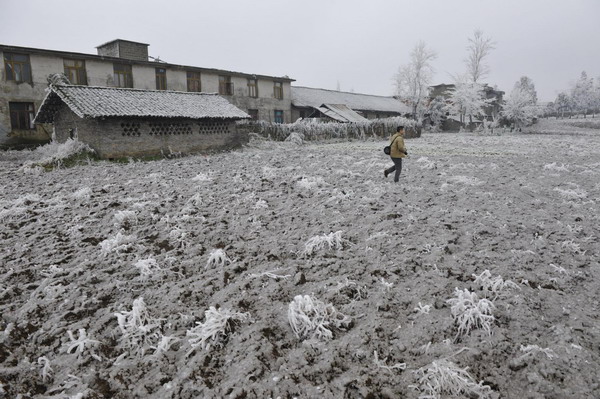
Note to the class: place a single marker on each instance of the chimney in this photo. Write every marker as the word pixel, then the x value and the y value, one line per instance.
pixel 124 49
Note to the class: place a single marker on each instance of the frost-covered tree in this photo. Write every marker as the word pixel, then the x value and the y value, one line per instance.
pixel 519 107
pixel 526 84
pixel 562 104
pixel 414 78
pixel 582 94
pixel 478 49
pixel 436 110
pixel 467 99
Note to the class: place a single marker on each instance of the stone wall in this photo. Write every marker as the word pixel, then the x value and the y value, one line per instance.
pixel 141 137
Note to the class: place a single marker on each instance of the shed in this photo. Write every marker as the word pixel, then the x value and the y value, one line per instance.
pixel 118 122
pixel 340 113
pixel 306 102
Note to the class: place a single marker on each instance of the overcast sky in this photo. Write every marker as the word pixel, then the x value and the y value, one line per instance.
pixel 356 45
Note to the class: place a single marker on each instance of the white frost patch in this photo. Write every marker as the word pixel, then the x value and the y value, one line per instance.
pixel 202 178
pixel 426 163
pixel 466 180
pixel 83 194
pixel 575 194
pixel 310 183
pixel 555 167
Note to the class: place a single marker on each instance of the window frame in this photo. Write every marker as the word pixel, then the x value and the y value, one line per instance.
pixel 278 116
pixel 20 117
pixel 225 85
pixel 79 71
pixel 161 78
pixel 15 68
pixel 253 87
pixel 194 81
pixel 278 90
pixel 123 77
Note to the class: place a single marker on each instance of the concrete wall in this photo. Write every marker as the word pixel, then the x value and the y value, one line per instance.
pixel 140 137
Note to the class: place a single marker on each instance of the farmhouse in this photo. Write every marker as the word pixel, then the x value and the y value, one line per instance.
pixel 125 64
pixel 320 103
pixel 118 122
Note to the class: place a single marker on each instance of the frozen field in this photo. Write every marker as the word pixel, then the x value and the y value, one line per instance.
pixel 484 256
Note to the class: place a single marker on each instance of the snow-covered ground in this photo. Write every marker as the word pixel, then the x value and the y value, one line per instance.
pixel 297 270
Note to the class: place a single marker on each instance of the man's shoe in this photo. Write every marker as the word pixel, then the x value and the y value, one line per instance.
pixel 385 173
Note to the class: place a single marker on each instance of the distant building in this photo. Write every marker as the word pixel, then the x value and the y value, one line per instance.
pixel 122 64
pixel 118 122
pixel 320 103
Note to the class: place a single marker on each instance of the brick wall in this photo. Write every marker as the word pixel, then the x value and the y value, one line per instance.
pixel 139 137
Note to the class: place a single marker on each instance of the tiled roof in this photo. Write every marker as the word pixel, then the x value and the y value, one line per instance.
pixel 97 102
pixel 309 97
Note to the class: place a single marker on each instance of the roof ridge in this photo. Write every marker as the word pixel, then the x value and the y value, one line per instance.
pixel 341 92
pixel 135 89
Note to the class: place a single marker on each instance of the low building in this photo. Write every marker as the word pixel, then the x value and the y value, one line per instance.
pixel 316 103
pixel 118 122
pixel 125 64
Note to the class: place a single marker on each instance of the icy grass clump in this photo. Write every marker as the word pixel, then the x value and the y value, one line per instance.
pixel 17 209
pixel 310 183
pixel 295 138
pixel 261 204
pixel 140 331
pixel 125 219
pixel 119 243
pixel 382 364
pixel 443 377
pixel 56 154
pixel 311 318
pixel 46 371
pixel 148 267
pixel 331 240
pixel 493 285
pixel 217 258
pixel 533 349
pixel 573 194
pixel 470 312
pixel 83 194
pixel 218 325
pixel 79 345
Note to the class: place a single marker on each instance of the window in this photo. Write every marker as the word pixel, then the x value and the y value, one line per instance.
pixel 17 67
pixel 253 87
pixel 161 79
pixel 253 114
pixel 278 90
pixel 75 72
pixel 21 115
pixel 278 116
pixel 193 82
pixel 123 75
pixel 225 85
